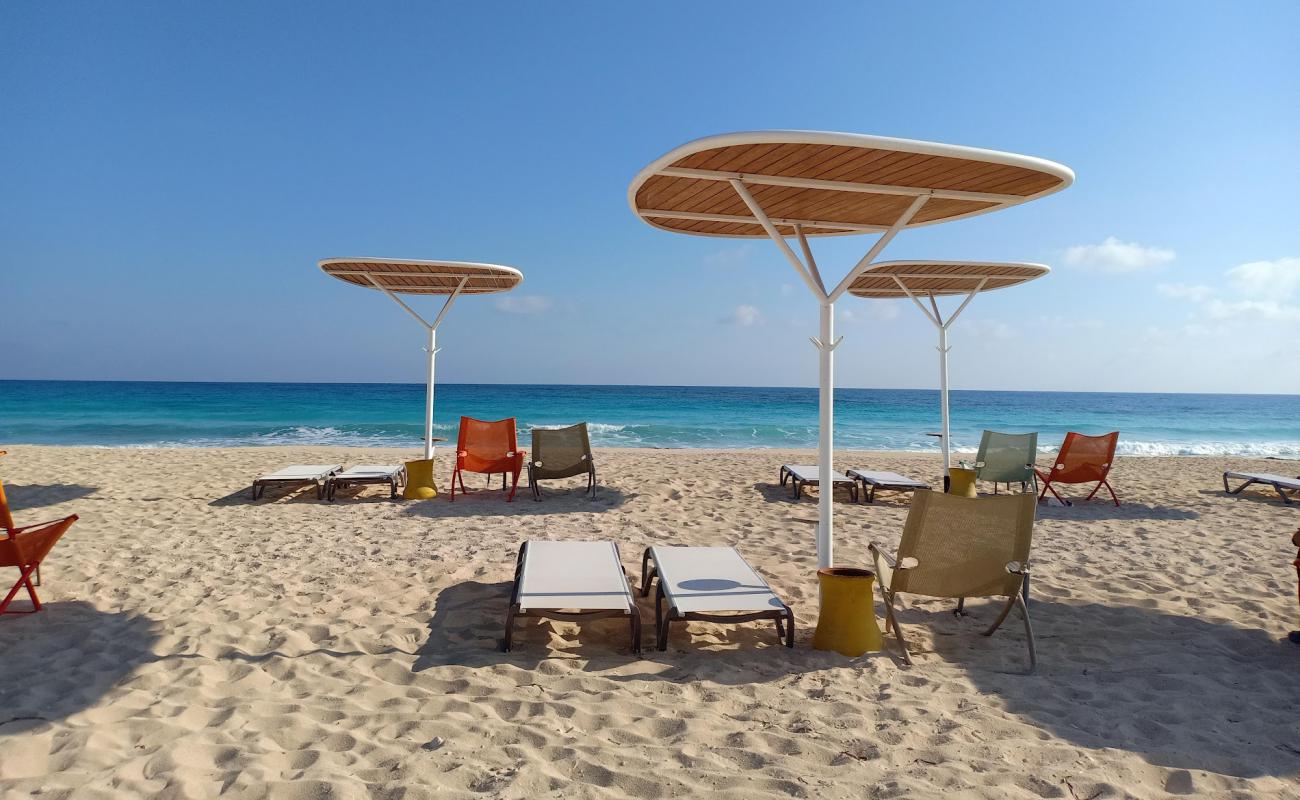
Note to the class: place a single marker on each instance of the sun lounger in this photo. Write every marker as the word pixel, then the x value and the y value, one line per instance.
pixel 394 475
pixel 1280 483
pixel 890 481
pixel 711 584
pixel 298 475
pixel 573 582
pixel 802 475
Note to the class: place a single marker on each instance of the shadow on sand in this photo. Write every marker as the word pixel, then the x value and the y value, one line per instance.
pixel 1181 692
pixel 64 658
pixel 776 493
pixel 469 618
pixel 24 497
pixel 1097 509
pixel 556 499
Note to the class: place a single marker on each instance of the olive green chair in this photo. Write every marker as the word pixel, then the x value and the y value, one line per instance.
pixel 1007 458
pixel 561 453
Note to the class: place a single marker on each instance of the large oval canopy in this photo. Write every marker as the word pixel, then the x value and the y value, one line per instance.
pixel 831 183
pixel 408 276
pixel 942 278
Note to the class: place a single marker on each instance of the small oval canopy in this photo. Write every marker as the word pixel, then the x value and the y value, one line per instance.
pixel 408 276
pixel 831 183
pixel 942 278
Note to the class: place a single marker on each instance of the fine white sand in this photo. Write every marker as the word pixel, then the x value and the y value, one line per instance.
pixel 195 643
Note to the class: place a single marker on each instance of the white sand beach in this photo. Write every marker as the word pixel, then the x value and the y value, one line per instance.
pixel 196 643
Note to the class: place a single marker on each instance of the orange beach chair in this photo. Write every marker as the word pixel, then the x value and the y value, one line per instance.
pixel 487 448
pixel 1082 459
pixel 25 548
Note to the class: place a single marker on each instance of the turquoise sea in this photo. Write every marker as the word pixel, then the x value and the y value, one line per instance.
pixel 127 414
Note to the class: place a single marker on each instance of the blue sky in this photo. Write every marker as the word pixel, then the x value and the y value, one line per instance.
pixel 173 171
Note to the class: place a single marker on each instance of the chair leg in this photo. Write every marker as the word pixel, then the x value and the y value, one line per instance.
pixel 1002 615
pixel 514 484
pixel 891 621
pixel 1029 634
pixel 24 579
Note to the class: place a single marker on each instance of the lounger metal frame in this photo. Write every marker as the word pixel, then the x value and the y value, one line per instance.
pixel 260 484
pixel 1277 487
pixel 799 483
pixel 783 618
pixel 869 488
pixel 514 611
pixel 394 481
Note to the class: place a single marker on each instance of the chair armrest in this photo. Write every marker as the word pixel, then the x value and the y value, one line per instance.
pixel 886 565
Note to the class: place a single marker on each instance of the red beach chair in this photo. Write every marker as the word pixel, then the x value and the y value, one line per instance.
pixel 1082 459
pixel 25 548
pixel 487 448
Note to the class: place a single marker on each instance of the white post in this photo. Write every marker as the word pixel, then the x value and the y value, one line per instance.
pixel 825 430
pixel 943 401
pixel 428 394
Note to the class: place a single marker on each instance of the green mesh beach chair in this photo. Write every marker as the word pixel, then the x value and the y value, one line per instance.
pixel 561 453
pixel 1007 458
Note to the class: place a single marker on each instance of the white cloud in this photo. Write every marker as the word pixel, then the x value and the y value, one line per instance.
pixel 1185 291
pixel 1271 279
pixel 523 303
pixel 871 311
pixel 988 329
pixel 787 288
pixel 736 256
pixel 743 316
pixel 1112 255
pixel 1252 310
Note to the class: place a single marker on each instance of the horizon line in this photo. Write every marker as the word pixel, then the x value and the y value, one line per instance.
pixel 640 386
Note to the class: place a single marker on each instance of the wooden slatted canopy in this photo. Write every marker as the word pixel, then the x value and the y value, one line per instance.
pixel 831 183
pixel 942 278
pixel 408 276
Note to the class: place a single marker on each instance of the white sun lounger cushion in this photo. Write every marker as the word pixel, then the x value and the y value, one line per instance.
pixel 375 471
pixel 887 479
pixel 708 579
pixel 303 472
pixel 1266 477
pixel 581 576
pixel 810 473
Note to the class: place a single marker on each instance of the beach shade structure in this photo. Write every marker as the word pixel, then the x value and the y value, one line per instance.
pixel 800 184
pixel 449 279
pixel 923 282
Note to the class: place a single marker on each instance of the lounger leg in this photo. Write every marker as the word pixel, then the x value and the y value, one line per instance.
pixel 784 475
pixel 1282 494
pixel 660 638
pixel 636 632
pixel 789 627
pixel 507 642
pixel 646 575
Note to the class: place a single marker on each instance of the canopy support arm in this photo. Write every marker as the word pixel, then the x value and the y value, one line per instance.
pixel 884 239
pixel 808 257
pixel 432 350
pixel 939 322
pixel 775 235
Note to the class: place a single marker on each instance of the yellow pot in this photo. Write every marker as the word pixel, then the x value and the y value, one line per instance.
pixel 847 623
pixel 961 482
pixel 419 480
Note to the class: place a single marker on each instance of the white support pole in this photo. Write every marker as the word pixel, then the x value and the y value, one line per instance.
pixel 825 430
pixel 808 257
pixel 945 429
pixel 428 393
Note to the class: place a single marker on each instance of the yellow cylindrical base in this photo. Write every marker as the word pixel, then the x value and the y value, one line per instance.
pixel 847 623
pixel 419 480
pixel 961 482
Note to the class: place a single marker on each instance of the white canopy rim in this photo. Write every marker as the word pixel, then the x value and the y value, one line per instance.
pixel 893 279
pixel 831 184
pixel 413 276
